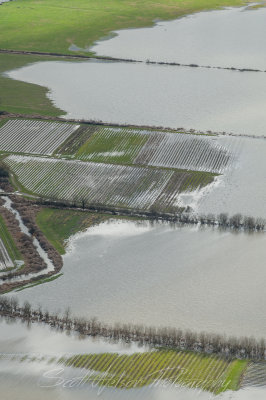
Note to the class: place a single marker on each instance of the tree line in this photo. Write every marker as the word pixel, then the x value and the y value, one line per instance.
pixel 209 343
pixel 173 214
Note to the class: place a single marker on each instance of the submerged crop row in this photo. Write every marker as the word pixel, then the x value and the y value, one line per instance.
pixel 34 137
pixel 155 148
pixel 108 184
pixel 190 369
pixel 117 145
pixel 5 260
pixel 184 151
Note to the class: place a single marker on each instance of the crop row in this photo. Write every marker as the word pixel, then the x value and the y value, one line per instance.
pixel 34 137
pixel 181 182
pixel 134 187
pixel 5 260
pixel 157 148
pixel 255 375
pixel 185 151
pixel 105 184
pixel 141 369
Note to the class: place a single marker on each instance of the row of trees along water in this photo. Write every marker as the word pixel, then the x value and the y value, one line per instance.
pixel 244 347
pixel 174 214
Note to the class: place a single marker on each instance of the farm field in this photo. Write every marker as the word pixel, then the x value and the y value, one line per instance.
pixel 152 147
pixel 104 184
pixel 131 371
pixel 209 373
pixel 117 145
pixel 33 136
pixel 113 145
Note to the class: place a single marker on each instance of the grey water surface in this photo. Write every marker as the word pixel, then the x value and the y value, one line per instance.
pixel 155 95
pixel 197 278
pixel 232 37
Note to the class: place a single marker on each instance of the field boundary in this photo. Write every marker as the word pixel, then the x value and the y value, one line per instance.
pixel 128 60
pixel 7 115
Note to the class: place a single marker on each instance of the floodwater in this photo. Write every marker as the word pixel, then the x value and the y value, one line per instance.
pixel 19 337
pixel 241 188
pixel 233 37
pixel 40 377
pixel 31 381
pixel 188 277
pixel 155 95
pixel 170 96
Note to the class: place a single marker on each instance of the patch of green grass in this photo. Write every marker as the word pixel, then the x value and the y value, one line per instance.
pixel 51 26
pixel 207 372
pixel 233 377
pixel 58 225
pixel 20 97
pixel 112 145
pixel 8 241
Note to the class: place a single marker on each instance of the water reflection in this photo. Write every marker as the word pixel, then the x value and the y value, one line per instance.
pixel 203 279
pixel 22 337
pixel 29 381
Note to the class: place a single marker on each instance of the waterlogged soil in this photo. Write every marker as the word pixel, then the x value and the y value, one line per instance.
pixel 158 274
pixel 233 37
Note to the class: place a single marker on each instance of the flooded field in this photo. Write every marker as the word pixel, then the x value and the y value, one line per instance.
pixel 29 369
pixel 183 277
pixel 33 380
pixel 120 92
pixel 29 382
pixel 204 99
pixel 215 38
pixel 241 188
pixel 206 279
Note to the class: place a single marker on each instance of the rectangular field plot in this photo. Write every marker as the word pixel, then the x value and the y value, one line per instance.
pixel 152 147
pixel 106 184
pixel 207 372
pixel 113 145
pixel 34 137
pixel 185 151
